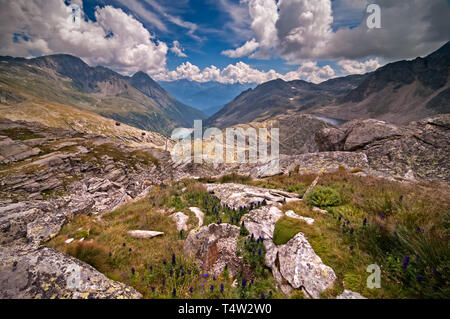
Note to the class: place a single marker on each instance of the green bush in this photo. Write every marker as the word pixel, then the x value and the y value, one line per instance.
pixel 323 197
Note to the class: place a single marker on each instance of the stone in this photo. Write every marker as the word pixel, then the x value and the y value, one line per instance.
pixel 68 241
pixel 41 272
pixel 348 294
pixel 302 268
pixel 318 210
pixel 144 234
pixel 214 247
pixel 307 220
pixel 199 214
pixel 181 221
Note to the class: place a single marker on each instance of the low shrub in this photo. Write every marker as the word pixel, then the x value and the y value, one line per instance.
pixel 323 197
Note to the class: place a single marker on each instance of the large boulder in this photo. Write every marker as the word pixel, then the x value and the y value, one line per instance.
pixel 29 272
pixel 302 268
pixel 214 247
pixel 417 151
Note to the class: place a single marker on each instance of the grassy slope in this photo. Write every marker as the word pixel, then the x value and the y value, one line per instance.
pixel 377 222
pixel 108 248
pixel 120 101
pixel 66 117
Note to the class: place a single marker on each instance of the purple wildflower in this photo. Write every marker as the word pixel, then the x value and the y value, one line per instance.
pixel 171 272
pixel 259 251
pixel 211 288
pixel 150 268
pixel 351 247
pixel 221 288
pixel 405 262
pixel 244 282
pixel 419 278
pixel 132 270
pixel 124 244
pixel 173 259
pixel 352 230
pixel 262 296
pixel 191 290
pixel 153 289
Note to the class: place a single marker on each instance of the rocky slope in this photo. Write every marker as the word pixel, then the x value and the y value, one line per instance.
pixel 65 79
pixel 69 118
pixel 419 150
pixel 47 177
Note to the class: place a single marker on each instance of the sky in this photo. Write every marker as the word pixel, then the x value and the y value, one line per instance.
pixel 228 41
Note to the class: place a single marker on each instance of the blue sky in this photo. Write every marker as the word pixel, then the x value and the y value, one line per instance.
pixel 247 41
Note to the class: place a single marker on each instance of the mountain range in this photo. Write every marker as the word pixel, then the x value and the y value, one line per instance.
pixel 398 92
pixel 138 100
pixel 209 97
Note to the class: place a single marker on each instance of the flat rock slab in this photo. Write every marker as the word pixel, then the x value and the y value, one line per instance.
pixel 239 195
pixel 144 234
pixel 291 214
pixel 12 151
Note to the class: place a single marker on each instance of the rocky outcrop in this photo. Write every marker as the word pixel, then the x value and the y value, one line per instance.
pixel 295 264
pixel 417 151
pixel 261 223
pixel 12 151
pixel 69 175
pixel 29 272
pixel 244 196
pixel 302 268
pixel 214 248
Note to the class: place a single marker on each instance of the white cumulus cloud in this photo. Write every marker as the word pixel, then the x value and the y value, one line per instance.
pixel 296 30
pixel 115 39
pixel 246 49
pixel 244 73
pixel 359 67
pixel 178 49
